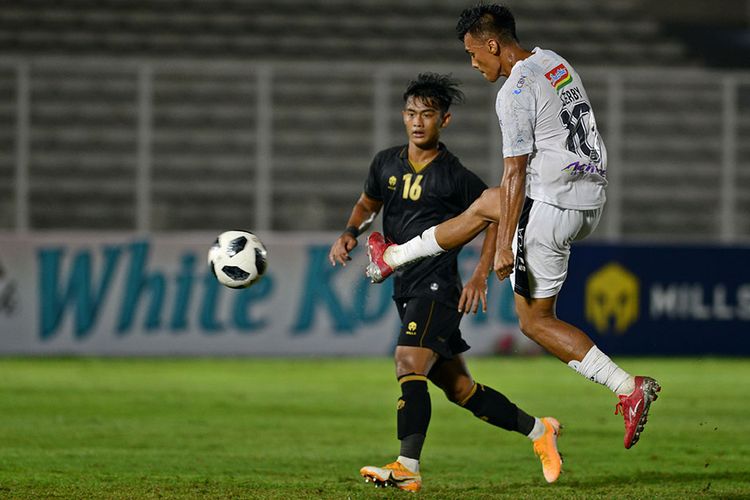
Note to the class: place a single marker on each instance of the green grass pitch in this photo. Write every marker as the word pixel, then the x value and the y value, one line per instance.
pixel 301 428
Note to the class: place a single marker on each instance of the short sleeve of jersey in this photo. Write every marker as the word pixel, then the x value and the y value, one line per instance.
pixel 516 111
pixel 372 184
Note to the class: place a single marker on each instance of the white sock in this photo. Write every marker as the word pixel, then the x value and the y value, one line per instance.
pixel 598 367
pixel 537 431
pixel 410 463
pixel 416 248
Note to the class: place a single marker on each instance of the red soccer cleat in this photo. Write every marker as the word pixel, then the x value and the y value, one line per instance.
pixel 377 270
pixel 634 408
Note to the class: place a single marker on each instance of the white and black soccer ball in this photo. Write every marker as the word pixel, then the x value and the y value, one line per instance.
pixel 238 259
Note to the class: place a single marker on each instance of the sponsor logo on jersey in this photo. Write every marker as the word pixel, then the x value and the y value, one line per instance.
pixel 577 168
pixel 519 84
pixel 612 297
pixel 392 182
pixel 559 77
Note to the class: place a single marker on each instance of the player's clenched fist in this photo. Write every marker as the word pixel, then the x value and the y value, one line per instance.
pixel 503 263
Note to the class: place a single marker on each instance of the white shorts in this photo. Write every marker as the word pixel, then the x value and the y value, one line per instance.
pixel 542 246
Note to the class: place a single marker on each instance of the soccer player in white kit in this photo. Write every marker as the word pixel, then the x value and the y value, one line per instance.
pixel 552 193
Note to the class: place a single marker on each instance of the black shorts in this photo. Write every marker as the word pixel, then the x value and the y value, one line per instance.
pixel 428 323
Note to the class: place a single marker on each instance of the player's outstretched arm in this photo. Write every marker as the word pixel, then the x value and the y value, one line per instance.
pixel 475 290
pixel 512 197
pixel 362 215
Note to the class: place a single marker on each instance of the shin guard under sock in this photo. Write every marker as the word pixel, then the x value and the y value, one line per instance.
pixel 414 411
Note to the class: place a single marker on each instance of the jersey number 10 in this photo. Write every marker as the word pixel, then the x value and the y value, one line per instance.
pixel 576 123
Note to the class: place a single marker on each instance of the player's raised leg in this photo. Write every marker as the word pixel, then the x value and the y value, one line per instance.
pixel 490 406
pixel 571 345
pixel 386 257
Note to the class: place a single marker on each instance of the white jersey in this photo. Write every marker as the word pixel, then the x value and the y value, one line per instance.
pixel 544 112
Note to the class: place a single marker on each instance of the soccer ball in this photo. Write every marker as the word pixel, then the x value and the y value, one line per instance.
pixel 237 259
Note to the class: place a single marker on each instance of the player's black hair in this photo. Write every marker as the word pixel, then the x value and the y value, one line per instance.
pixel 437 90
pixel 484 20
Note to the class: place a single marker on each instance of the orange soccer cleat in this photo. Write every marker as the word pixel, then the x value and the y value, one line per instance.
pixel 394 474
pixel 546 449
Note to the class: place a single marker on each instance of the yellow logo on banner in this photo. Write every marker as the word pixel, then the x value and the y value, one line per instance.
pixel 612 294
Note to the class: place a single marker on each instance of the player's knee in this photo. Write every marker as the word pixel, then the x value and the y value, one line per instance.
pixel 530 327
pixel 406 363
pixel 532 324
pixel 486 205
pixel 526 325
pixel 410 359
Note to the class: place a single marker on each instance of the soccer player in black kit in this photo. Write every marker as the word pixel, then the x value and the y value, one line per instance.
pixel 418 185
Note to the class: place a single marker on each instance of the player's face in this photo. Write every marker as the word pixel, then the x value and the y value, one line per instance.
pixel 484 56
pixel 423 122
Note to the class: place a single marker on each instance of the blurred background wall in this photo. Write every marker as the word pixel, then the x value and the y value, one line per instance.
pixel 173 115
pixel 132 132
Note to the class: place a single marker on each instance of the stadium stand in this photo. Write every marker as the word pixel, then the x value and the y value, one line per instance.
pixel 81 147
pixel 7 147
pixel 204 114
pixel 742 158
pixel 371 30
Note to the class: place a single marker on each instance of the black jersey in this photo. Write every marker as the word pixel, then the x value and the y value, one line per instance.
pixel 416 200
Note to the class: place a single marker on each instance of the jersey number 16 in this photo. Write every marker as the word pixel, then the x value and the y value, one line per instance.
pixel 412 190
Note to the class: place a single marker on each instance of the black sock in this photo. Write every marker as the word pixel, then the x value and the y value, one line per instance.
pixel 492 407
pixel 411 446
pixel 414 410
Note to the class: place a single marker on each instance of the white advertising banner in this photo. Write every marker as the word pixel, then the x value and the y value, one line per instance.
pixel 130 294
